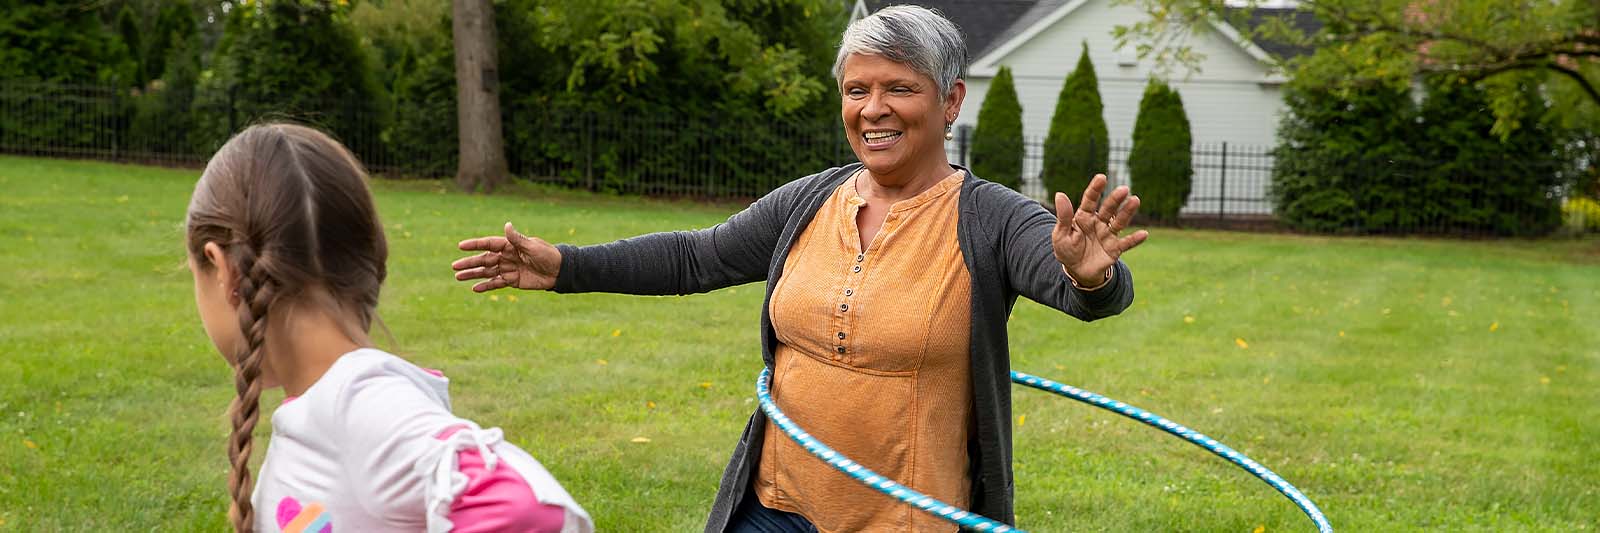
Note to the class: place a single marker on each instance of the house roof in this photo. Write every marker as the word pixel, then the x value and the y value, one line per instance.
pixel 1302 20
pixel 983 23
pixel 988 25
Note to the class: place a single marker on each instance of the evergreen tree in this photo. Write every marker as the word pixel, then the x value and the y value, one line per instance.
pixel 1078 145
pixel 1476 181
pixel 61 42
pixel 997 149
pixel 299 60
pixel 1160 164
pixel 1341 155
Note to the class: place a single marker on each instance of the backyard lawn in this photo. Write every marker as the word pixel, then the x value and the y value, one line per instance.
pixel 1403 385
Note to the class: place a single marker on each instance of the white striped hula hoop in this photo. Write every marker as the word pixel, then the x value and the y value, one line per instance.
pixel 978 522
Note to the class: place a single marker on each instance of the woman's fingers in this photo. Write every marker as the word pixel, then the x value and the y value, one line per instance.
pixel 480 260
pixel 1108 208
pixel 1063 211
pixel 1092 194
pixel 491 243
pixel 490 284
pixel 1128 243
pixel 1124 215
pixel 476 273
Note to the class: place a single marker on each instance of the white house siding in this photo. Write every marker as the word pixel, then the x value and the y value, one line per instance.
pixel 1230 100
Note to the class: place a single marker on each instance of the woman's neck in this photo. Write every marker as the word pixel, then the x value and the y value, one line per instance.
pixel 902 185
pixel 303 344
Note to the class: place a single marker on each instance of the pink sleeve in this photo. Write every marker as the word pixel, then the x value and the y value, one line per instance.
pixel 498 501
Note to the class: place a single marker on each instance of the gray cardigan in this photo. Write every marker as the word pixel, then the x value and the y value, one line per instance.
pixel 1004 237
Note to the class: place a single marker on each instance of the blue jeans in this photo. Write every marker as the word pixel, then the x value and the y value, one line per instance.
pixel 752 517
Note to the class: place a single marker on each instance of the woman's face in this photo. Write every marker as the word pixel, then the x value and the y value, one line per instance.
pixel 894 117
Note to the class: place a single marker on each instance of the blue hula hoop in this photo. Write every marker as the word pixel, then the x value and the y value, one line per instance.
pixel 978 522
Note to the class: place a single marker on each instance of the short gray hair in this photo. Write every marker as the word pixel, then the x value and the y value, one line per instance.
pixel 914 36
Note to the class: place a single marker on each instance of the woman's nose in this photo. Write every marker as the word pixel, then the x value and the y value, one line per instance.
pixel 875 107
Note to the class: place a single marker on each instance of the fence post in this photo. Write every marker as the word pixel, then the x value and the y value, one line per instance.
pixel 588 118
pixel 1222 185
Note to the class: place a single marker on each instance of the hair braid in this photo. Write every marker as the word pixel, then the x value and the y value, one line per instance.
pixel 257 291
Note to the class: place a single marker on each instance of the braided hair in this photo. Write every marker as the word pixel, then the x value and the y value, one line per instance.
pixel 290 208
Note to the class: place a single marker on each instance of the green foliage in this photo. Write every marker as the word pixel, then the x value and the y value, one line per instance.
pixel 1372 161
pixel 1393 42
pixel 1480 181
pixel 772 52
pixel 997 149
pixel 60 42
pixel 175 27
pixel 1078 146
pixel 297 59
pixel 1581 215
pixel 1339 154
pixel 128 30
pixel 164 117
pixel 1160 163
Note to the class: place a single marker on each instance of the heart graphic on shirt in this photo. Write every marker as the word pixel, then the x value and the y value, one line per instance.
pixel 295 518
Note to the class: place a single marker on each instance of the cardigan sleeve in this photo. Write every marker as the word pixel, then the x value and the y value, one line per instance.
pixel 734 252
pixel 1024 228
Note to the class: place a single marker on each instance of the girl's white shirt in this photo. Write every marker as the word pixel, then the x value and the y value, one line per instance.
pixel 360 451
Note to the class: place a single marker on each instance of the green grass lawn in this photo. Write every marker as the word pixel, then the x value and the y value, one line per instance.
pixel 1403 385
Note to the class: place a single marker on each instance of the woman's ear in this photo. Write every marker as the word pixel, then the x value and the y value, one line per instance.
pixel 952 103
pixel 222 272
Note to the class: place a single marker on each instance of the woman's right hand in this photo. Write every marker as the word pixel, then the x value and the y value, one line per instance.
pixel 515 260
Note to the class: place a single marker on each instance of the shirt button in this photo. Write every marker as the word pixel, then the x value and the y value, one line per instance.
pixel 856 268
pixel 844 307
pixel 839 349
pixel 849 292
pixel 841 337
pixel 859 257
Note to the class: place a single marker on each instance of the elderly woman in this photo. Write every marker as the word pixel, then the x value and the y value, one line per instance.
pixel 889 283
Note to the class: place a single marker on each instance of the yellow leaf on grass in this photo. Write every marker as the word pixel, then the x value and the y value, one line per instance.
pixel 1544 380
pixel 650 405
pixel 1021 419
pixel 1341 333
pixel 1561 368
pixel 601 362
pixel 494 297
pixel 511 297
pixel 30 444
pixel 640 440
pixel 616 333
pixel 1494 327
pixel 1266 380
pixel 705 384
pixel 1188 319
pixel 1259 529
pixel 1242 344
pixel 122 199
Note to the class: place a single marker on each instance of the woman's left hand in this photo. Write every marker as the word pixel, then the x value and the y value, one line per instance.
pixel 1086 240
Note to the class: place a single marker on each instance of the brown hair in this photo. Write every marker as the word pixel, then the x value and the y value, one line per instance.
pixel 291 210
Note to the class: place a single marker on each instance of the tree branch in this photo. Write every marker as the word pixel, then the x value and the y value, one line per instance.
pixel 1583 82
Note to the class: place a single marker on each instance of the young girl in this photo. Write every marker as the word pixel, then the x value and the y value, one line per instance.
pixel 288 257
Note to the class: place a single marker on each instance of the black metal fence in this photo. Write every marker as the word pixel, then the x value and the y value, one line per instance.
pixel 699 156
pixel 1230 183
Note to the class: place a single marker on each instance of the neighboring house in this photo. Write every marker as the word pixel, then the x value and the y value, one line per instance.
pixel 1235 97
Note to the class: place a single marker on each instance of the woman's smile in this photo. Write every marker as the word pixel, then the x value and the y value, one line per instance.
pixel 881 139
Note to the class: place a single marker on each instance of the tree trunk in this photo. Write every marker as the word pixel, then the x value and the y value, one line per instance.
pixel 482 148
